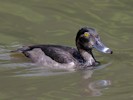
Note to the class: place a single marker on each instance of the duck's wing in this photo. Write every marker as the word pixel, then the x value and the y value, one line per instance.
pixel 61 54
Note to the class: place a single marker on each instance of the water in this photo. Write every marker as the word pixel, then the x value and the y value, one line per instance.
pixel 25 22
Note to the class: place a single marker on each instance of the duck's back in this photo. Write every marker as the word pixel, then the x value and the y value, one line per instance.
pixel 60 54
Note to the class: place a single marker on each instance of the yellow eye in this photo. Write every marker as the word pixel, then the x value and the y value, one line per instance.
pixel 86 34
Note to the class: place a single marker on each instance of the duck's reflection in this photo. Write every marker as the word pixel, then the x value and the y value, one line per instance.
pixel 94 88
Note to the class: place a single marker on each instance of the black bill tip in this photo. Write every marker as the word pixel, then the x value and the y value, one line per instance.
pixel 111 52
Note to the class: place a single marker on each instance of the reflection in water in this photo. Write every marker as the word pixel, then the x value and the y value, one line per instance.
pixel 88 73
pixel 41 72
pixel 95 88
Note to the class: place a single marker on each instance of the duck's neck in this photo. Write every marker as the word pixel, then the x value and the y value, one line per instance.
pixel 87 56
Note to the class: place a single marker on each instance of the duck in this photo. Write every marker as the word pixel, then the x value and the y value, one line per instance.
pixel 65 57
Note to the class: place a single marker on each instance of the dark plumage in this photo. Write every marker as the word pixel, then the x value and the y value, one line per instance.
pixel 61 54
pixel 68 57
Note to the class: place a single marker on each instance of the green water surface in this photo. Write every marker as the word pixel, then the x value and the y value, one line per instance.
pixel 25 22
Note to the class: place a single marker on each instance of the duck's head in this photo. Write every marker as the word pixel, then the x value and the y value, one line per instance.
pixel 88 38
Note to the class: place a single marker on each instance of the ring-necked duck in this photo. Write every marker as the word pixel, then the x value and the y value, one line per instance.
pixel 65 57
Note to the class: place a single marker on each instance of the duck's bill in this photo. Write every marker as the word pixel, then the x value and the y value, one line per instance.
pixel 102 48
